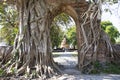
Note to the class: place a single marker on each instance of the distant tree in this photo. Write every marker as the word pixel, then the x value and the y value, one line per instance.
pixel 71 36
pixel 62 19
pixel 56 35
pixel 112 31
pixel 56 31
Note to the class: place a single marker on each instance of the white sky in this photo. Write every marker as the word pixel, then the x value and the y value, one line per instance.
pixel 113 16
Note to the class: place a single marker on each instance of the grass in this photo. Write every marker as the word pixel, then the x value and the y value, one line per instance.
pixel 112 68
pixel 74 54
pixel 108 68
pixel 55 54
pixel 1 72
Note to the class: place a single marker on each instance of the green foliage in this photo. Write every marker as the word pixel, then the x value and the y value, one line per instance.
pixel 56 32
pixel 62 18
pixel 111 1
pixel 9 23
pixel 97 68
pixel 112 68
pixel 9 34
pixel 113 33
pixel 56 35
pixel 71 35
pixel 109 68
pixel 1 72
pixel 12 70
pixel 75 54
pixel 55 54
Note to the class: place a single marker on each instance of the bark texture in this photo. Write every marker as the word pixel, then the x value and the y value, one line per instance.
pixel 32 47
pixel 92 41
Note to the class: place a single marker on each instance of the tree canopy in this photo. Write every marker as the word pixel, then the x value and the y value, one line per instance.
pixel 111 30
pixel 56 35
pixel 71 36
pixel 57 29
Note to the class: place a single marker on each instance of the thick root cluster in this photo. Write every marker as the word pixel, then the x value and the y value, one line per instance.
pixel 96 43
pixel 26 67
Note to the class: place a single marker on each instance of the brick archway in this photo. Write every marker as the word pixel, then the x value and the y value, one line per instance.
pixel 87 19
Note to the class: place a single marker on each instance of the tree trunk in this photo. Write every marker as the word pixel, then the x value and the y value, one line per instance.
pixel 91 39
pixel 32 48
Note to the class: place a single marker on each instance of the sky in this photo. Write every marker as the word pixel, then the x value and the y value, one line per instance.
pixel 113 15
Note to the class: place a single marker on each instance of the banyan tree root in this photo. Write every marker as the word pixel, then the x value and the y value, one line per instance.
pixel 32 53
pixel 30 65
pixel 93 38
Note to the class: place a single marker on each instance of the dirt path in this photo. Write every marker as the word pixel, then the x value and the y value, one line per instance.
pixel 68 62
pixel 70 71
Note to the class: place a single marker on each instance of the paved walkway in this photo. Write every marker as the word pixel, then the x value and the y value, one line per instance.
pixel 71 73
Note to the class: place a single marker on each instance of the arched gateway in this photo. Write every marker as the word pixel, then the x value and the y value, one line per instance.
pixel 32 47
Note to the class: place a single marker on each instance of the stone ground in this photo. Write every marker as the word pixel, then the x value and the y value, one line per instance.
pixel 69 61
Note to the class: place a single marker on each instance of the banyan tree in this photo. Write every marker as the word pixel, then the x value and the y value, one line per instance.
pixel 32 50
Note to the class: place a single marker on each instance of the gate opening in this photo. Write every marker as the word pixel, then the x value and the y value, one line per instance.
pixel 64 41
